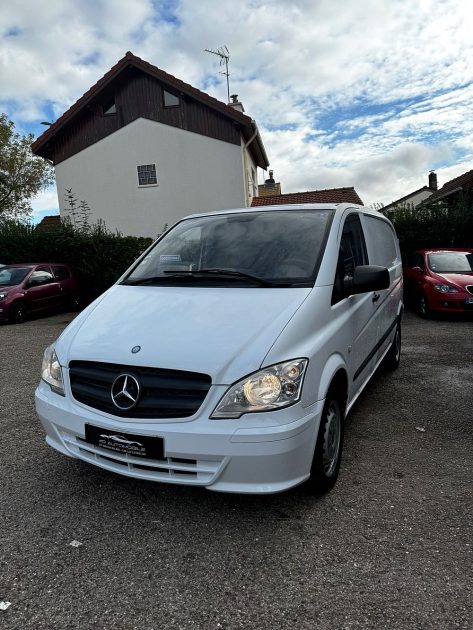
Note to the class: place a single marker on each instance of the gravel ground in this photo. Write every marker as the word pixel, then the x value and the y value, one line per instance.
pixel 389 547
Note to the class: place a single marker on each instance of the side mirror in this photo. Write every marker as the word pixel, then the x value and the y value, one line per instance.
pixel 367 278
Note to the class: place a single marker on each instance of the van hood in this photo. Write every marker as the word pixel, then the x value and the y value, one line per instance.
pixel 223 332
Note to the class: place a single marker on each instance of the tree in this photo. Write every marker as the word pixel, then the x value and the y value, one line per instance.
pixel 22 174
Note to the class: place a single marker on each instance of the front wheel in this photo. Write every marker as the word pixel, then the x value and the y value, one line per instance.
pixel 74 302
pixel 393 356
pixel 328 449
pixel 17 313
pixel 424 308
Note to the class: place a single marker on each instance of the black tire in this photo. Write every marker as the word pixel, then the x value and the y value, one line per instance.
pixel 74 302
pixel 393 356
pixel 424 308
pixel 329 446
pixel 17 313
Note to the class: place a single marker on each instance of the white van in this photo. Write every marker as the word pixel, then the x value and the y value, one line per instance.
pixel 230 353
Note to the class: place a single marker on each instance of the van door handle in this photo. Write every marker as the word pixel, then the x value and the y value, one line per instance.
pixel 375 297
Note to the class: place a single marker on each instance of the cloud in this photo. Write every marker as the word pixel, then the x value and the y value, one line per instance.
pixel 46 200
pixel 371 95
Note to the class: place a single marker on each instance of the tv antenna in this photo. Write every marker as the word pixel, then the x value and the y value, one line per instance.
pixel 224 55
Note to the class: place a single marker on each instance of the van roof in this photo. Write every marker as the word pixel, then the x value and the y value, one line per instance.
pixel 341 207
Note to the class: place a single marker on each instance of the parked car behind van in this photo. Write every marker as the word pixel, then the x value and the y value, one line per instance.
pixel 230 353
pixel 440 280
pixel 29 288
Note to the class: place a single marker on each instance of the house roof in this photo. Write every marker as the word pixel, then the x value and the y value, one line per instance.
pixel 406 198
pixel 48 223
pixel 328 195
pixel 463 182
pixel 248 125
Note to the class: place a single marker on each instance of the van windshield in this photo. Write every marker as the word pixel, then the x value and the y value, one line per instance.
pixel 270 248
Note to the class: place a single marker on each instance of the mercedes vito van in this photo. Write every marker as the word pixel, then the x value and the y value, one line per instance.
pixel 230 353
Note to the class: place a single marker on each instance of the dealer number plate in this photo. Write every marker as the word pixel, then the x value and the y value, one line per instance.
pixel 145 446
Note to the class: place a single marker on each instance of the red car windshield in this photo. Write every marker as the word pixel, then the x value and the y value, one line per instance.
pixel 451 262
pixel 10 276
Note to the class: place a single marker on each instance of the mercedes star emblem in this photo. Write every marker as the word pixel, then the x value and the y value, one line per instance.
pixel 125 392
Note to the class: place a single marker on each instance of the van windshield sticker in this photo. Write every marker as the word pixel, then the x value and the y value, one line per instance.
pixel 167 258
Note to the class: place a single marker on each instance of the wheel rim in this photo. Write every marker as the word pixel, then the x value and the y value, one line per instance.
pixel 397 345
pixel 423 305
pixel 19 313
pixel 332 435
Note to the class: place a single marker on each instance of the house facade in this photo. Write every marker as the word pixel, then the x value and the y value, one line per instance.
pixel 144 149
pixel 415 198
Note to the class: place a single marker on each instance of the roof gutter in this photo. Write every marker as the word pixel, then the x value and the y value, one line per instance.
pixel 259 140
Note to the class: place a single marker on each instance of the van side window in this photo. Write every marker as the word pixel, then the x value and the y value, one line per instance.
pixel 352 253
pixel 383 242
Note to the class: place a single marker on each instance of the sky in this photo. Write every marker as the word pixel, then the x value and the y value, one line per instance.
pixel 370 94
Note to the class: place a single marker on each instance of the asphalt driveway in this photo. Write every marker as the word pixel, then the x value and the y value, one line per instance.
pixel 390 547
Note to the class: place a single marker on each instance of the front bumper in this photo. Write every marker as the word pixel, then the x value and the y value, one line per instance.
pixel 259 453
pixel 447 302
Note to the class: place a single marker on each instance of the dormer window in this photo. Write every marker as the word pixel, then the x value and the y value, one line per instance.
pixel 109 108
pixel 170 100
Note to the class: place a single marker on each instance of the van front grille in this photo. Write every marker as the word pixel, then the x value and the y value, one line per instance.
pixel 164 393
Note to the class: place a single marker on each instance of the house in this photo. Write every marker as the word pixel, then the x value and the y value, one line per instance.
pixel 413 199
pixel 49 223
pixel 456 189
pixel 269 194
pixel 143 149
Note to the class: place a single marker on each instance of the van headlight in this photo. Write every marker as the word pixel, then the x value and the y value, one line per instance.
pixel 51 371
pixel 273 387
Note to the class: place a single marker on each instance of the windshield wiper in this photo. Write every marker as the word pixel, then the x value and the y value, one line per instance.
pixel 153 279
pixel 221 272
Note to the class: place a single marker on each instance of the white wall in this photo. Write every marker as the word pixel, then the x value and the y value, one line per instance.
pixel 250 185
pixel 195 173
pixel 420 196
pixel 413 200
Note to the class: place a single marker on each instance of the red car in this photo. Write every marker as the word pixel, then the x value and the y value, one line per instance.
pixel 34 287
pixel 440 280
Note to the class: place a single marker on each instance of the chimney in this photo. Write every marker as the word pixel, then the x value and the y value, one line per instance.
pixel 235 103
pixel 270 188
pixel 432 180
pixel 270 183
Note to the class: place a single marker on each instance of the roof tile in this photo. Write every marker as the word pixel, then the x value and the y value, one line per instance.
pixel 328 195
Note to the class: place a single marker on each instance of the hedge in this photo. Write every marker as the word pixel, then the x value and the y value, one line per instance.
pixel 97 255
pixel 434 225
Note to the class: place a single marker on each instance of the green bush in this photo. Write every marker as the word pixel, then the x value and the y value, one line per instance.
pixel 97 255
pixel 434 224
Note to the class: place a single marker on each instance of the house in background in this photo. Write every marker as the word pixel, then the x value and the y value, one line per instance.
pixel 413 199
pixel 49 223
pixel 144 149
pixel 269 194
pixel 456 190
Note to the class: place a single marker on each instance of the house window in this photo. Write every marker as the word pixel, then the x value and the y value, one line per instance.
pixel 147 174
pixel 109 108
pixel 170 100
